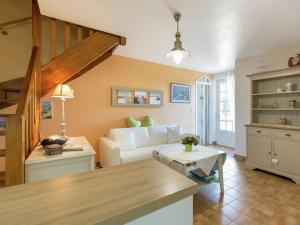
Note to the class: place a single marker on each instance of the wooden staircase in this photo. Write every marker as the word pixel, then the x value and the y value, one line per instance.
pixel 22 131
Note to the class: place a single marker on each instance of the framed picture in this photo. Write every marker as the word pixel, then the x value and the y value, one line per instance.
pixel 47 110
pixel 124 97
pixel 180 93
pixel 2 123
pixel 155 98
pixel 131 97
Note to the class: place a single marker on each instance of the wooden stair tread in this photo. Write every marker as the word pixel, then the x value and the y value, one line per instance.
pixel 9 89
pixel 9 101
pixel 2 152
pixel 5 115
pixel 2 132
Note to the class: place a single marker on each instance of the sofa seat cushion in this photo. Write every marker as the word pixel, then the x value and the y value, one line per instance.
pixel 132 156
pixel 142 153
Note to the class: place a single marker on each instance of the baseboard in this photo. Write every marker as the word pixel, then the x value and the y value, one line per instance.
pixel 240 157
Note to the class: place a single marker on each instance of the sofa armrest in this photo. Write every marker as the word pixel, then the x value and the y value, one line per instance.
pixel 109 152
pixel 197 136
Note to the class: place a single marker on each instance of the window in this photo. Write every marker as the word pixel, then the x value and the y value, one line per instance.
pixel 226 115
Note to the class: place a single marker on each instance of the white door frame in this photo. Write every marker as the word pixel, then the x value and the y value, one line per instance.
pixel 202 111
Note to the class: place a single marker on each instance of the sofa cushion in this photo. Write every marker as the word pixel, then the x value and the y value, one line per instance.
pixel 158 134
pixel 124 139
pixel 174 134
pixel 131 122
pixel 140 135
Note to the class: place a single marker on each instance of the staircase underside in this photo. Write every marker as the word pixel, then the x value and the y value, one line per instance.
pixel 71 64
pixel 78 59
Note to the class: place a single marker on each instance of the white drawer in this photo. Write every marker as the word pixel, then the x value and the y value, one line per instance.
pixel 287 135
pixel 259 131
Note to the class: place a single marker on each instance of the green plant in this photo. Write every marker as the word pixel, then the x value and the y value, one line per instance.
pixel 189 141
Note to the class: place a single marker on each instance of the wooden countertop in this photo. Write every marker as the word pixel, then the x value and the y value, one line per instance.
pixel 274 126
pixel 110 196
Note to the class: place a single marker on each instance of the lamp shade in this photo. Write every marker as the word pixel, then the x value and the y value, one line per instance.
pixel 178 55
pixel 63 91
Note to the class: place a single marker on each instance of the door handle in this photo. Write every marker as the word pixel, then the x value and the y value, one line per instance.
pixel 258 131
pixel 288 135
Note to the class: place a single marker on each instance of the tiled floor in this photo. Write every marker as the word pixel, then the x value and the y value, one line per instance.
pixel 251 198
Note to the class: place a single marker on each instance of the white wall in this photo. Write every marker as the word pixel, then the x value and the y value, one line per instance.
pixel 274 60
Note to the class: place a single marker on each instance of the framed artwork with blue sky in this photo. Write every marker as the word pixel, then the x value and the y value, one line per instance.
pixel 180 93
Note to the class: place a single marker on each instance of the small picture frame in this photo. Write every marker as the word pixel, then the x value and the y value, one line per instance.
pixel 47 110
pixel 180 93
pixel 134 97
pixel 2 123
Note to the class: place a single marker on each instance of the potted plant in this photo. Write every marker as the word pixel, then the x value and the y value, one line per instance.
pixel 188 143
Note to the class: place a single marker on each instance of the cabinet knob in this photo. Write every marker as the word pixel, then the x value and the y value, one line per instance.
pixel 258 131
pixel 288 135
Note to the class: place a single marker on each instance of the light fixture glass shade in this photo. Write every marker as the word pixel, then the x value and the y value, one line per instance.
pixel 178 55
pixel 63 91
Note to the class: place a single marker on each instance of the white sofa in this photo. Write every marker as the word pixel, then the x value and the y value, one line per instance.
pixel 125 145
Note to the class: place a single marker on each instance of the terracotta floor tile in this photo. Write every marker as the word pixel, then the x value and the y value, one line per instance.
pixel 257 215
pixel 216 218
pixel 285 219
pixel 291 211
pixel 224 198
pixel 234 194
pixel 241 206
pixel 229 212
pixel 246 220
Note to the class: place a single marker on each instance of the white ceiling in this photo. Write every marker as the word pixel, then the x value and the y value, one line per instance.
pixel 216 32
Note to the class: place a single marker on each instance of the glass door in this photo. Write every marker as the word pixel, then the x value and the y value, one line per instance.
pixel 225 132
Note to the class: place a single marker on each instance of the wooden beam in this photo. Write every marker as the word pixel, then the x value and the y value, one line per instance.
pixel 81 57
pixel 15 157
pixel 53 37
pixel 67 35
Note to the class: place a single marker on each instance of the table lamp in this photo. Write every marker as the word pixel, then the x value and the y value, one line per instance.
pixel 63 92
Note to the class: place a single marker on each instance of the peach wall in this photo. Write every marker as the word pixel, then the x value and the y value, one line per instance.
pixel 90 113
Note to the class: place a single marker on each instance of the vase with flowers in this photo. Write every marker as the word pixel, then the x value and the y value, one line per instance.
pixel 188 143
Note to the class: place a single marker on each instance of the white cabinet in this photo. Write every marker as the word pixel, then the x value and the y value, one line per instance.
pixel 288 154
pixel 39 167
pixel 274 150
pixel 259 150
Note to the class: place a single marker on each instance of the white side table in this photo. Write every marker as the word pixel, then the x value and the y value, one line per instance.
pixel 39 166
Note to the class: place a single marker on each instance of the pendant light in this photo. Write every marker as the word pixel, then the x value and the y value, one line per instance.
pixel 178 53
